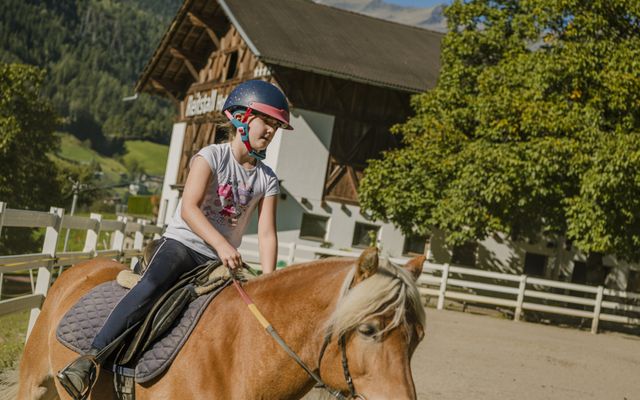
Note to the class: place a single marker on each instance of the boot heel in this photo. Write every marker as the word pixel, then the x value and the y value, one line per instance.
pixel 87 381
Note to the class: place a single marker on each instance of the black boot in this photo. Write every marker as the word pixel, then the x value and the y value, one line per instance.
pixel 80 375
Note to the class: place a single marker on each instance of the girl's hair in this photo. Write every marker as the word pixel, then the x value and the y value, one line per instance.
pixel 225 132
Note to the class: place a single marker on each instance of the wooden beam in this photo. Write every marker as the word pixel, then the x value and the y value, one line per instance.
pixel 180 55
pixel 195 21
pixel 334 175
pixel 165 87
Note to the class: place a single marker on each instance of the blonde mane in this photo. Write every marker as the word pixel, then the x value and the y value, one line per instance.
pixel 391 288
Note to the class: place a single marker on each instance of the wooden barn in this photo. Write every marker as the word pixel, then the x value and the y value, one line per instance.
pixel 348 79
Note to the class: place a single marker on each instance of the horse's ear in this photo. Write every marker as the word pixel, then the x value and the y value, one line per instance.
pixel 367 265
pixel 414 266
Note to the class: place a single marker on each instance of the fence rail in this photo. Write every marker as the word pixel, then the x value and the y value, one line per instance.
pixel 529 288
pixel 442 281
pixel 49 258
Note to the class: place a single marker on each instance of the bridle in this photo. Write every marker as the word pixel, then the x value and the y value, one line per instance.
pixel 315 376
pixel 345 365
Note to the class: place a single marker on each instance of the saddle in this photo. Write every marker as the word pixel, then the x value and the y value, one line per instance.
pixel 145 351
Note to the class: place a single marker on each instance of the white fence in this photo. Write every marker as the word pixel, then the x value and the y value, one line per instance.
pixel 518 292
pixel 55 221
pixel 523 293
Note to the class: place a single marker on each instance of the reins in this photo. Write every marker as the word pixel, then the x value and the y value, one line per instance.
pixel 274 334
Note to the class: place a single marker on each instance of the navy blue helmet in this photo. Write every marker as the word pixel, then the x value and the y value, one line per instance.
pixel 259 96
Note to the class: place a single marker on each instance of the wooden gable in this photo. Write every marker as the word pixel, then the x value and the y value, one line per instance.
pixel 230 64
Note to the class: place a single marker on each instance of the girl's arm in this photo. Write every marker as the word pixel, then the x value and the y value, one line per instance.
pixel 194 192
pixel 267 236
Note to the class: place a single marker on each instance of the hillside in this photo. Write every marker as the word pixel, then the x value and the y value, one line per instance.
pixel 139 157
pixel 93 51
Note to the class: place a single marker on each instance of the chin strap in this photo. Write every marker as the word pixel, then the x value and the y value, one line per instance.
pixel 243 127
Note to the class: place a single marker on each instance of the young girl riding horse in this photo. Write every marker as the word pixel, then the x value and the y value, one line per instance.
pixel 225 184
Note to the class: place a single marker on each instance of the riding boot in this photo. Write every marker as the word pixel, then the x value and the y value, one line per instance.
pixel 80 375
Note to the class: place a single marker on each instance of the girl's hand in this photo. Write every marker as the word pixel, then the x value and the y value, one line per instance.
pixel 229 256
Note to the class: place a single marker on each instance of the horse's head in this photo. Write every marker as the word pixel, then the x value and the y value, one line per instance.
pixel 381 320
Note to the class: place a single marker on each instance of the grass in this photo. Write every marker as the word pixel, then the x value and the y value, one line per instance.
pixel 13 330
pixel 150 156
pixel 73 149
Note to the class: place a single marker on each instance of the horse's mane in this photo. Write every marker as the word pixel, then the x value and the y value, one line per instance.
pixel 391 289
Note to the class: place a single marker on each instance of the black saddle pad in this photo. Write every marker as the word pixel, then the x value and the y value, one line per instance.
pixel 83 321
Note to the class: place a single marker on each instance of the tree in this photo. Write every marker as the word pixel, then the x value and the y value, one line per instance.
pixel 29 179
pixel 532 129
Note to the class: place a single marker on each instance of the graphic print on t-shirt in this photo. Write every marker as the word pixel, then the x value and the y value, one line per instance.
pixel 232 200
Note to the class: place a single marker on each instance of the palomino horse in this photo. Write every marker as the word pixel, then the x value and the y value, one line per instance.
pixel 229 356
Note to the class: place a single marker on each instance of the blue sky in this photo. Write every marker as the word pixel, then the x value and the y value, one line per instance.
pixel 418 3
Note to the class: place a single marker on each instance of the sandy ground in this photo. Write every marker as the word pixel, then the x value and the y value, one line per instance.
pixel 476 357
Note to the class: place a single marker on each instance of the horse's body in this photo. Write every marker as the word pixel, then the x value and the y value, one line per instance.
pixel 228 355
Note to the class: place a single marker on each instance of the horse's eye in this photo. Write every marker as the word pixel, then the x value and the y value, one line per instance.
pixel 367 330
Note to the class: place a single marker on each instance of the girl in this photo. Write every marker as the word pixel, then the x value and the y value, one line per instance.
pixel 225 184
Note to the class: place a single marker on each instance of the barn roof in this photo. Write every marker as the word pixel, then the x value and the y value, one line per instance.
pixel 303 35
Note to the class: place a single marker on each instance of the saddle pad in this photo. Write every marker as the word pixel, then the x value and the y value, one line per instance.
pixel 83 321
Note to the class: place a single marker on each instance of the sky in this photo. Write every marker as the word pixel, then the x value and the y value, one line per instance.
pixel 418 3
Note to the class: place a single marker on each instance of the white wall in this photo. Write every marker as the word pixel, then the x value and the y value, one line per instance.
pixel 300 157
pixel 169 200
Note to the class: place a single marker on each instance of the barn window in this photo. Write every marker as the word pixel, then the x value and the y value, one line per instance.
pixel 232 69
pixel 313 227
pixel 534 264
pixel 415 245
pixel 365 235
pixel 465 254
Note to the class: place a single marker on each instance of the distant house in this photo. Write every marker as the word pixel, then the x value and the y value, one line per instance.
pixel 348 78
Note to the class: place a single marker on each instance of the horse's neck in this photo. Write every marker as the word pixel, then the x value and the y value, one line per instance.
pixel 306 290
pixel 299 300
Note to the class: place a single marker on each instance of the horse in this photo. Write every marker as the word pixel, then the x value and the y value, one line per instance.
pixel 374 307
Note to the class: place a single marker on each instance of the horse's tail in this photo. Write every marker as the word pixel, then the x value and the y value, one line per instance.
pixel 9 384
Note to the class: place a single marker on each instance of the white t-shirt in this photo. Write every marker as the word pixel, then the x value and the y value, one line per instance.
pixel 232 195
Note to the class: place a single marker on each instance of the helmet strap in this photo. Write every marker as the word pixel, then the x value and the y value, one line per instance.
pixel 243 127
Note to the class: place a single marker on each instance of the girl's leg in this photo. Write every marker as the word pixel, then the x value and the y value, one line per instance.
pixel 168 263
pixel 171 260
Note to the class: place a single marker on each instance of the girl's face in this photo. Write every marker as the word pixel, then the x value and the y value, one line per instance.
pixel 262 128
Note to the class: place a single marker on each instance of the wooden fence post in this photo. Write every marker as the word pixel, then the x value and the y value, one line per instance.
pixel 596 310
pixel 44 273
pixel 138 241
pixel 118 238
pixel 292 253
pixel 91 240
pixel 3 207
pixel 520 300
pixel 443 286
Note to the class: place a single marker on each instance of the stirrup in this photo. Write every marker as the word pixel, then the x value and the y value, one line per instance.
pixel 92 376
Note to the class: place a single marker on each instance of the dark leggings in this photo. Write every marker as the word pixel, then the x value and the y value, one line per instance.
pixel 170 260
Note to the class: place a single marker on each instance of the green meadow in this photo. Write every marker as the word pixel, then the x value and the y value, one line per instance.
pixel 151 157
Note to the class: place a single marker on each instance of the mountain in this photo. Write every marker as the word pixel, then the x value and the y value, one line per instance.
pixel 429 18
pixel 93 52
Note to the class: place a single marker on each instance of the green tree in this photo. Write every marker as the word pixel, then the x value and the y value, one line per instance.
pixel 532 130
pixel 29 179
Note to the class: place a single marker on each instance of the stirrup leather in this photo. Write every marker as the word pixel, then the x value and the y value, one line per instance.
pixel 91 378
